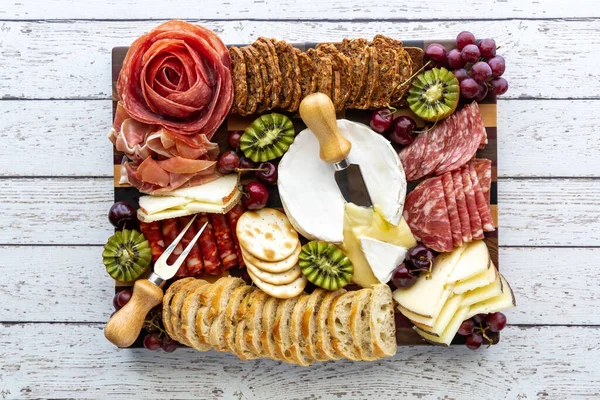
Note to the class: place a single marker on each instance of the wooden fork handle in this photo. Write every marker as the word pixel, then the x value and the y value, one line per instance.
pixel 123 328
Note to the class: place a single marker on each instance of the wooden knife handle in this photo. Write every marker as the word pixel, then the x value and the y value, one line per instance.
pixel 123 328
pixel 318 113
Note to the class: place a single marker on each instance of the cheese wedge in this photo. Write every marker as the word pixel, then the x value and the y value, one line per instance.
pixel 155 204
pixel 219 191
pixel 482 279
pixel 425 296
pixel 483 293
pixel 501 302
pixel 444 318
pixel 474 260
pixel 427 321
pixel 382 257
pixel 446 337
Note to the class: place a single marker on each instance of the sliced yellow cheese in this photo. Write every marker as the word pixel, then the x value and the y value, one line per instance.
pixel 446 337
pixel 427 321
pixel 501 302
pixel 155 204
pixel 444 317
pixel 474 260
pixel 483 293
pixel 482 279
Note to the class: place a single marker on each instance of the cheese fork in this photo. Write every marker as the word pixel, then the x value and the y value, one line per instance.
pixel 123 328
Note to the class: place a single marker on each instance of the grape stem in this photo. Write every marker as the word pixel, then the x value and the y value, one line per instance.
pixel 241 170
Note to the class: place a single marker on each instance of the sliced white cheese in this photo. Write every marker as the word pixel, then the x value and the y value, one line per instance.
pixel 474 260
pixel 424 296
pixel 155 204
pixel 501 302
pixel 218 191
pixel 482 279
pixel 310 195
pixel 483 293
pixel 446 337
pixel 142 216
pixel 383 257
pixel 444 318
pixel 427 321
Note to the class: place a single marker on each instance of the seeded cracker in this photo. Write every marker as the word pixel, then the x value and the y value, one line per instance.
pixel 389 72
pixel 240 87
pixel 284 55
pixel 324 70
pixel 308 73
pixel 270 55
pixel 254 82
pixel 355 50
pixel 342 71
pixel 372 80
pixel 267 84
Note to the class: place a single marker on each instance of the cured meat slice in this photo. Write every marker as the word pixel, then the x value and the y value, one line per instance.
pixel 224 241
pixel 461 206
pixel 483 167
pixel 482 206
pixel 470 121
pixel 476 227
pixel 232 218
pixel 194 258
pixel 208 244
pixel 426 213
pixel 153 235
pixel 436 142
pixel 170 230
pixel 448 184
pixel 412 155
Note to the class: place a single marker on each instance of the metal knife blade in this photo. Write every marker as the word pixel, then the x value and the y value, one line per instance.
pixel 352 185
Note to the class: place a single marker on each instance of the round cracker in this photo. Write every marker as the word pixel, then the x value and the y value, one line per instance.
pixel 282 278
pixel 281 291
pixel 267 234
pixel 276 267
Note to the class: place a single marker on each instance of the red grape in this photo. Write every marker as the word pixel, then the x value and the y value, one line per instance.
pixel 470 53
pixel 483 92
pixel 437 54
pixel 269 175
pixel 487 47
pixel 479 318
pixel 474 341
pixel 496 321
pixel 234 139
pixel 257 196
pixel 421 257
pixel 461 74
pixel 402 131
pixel 169 345
pixel 227 162
pixel 499 86
pixel 246 163
pixel 121 298
pixel 469 88
pixel 455 60
pixel 466 328
pixel 152 341
pixel 464 38
pixel 381 120
pixel 122 215
pixel 497 65
pixel 481 71
pixel 402 277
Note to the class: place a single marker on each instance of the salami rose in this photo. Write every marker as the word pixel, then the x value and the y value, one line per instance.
pixel 177 76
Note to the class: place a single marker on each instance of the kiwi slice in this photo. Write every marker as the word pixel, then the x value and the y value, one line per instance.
pixel 126 255
pixel 325 265
pixel 268 137
pixel 434 94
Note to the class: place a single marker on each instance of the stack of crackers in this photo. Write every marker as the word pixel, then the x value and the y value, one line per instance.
pixel 272 74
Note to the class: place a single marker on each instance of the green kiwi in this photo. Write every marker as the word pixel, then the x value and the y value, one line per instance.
pixel 126 255
pixel 325 265
pixel 268 137
pixel 434 94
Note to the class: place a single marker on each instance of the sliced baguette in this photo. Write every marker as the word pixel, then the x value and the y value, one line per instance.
pixel 232 315
pixel 338 322
pixel 281 329
pixel 383 327
pixel 324 347
pixel 192 303
pixel 360 318
pixel 203 319
pixel 309 323
pixel 217 335
pixel 253 316
pixel 177 304
pixel 166 305
pixel 298 348
pixel 222 294
pixel 241 347
pixel 267 339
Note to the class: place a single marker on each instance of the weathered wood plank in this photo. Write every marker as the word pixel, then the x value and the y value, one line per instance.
pixel 69 59
pixel 43 289
pixel 289 9
pixel 68 138
pixel 74 361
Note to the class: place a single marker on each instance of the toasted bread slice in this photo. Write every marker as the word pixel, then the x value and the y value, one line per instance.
pixel 383 327
pixel 309 323
pixel 217 335
pixel 241 347
pixel 298 347
pixel 222 295
pixel 360 328
pixel 324 347
pixel 177 304
pixel 254 312
pixel 166 305
pixel 281 329
pixel 269 315
pixel 239 300
pixel 203 316
pixel 338 322
pixel 192 303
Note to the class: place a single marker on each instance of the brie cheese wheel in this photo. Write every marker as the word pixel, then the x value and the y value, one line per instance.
pixel 382 257
pixel 309 192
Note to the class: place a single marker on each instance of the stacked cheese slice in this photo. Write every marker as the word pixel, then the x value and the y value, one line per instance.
pixel 463 283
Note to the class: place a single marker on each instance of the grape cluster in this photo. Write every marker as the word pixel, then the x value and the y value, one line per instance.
pixel 419 259
pixel 477 328
pixel 476 65
pixel 155 337
pixel 400 130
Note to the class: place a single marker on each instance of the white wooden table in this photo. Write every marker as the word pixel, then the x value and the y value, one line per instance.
pixel 56 188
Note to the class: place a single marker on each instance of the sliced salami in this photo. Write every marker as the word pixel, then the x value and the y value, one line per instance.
pixel 194 259
pixel 153 235
pixel 434 149
pixel 412 155
pixel 483 167
pixel 232 219
pixel 482 206
pixel 461 205
pixel 476 227
pixel 208 244
pixel 452 209
pixel 469 117
pixel 224 241
pixel 426 213
pixel 170 230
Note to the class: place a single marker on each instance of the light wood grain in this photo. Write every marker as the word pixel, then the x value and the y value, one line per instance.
pixel 68 138
pixel 71 59
pixel 289 9
pixel 550 288
pixel 72 361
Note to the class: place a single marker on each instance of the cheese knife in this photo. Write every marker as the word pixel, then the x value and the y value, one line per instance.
pixel 318 113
